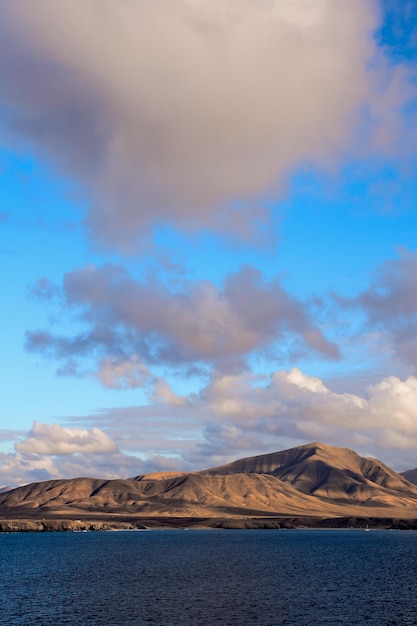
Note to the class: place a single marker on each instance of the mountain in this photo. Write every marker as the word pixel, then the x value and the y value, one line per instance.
pixel 327 472
pixel 410 475
pixel 309 480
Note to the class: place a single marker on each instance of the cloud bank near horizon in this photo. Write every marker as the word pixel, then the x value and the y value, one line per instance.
pixel 233 416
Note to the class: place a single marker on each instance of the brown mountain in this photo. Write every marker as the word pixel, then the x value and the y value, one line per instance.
pixel 310 480
pixel 410 475
pixel 327 472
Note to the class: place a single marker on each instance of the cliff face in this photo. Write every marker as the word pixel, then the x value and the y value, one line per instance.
pixel 314 479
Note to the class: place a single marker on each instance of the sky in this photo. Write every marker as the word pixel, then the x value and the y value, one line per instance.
pixel 208 233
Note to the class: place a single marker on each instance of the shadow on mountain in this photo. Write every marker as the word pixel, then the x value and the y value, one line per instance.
pixel 311 480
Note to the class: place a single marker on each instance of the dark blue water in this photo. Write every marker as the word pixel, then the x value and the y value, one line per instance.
pixel 300 577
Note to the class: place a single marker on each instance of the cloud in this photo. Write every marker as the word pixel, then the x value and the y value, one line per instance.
pixel 173 112
pixel 9 434
pixel 131 324
pixel 289 408
pixel 233 416
pixel 21 468
pixel 389 304
pixel 245 414
pixel 55 439
pixel 164 394
pixel 128 374
pixel 44 289
pixel 400 30
pixel 51 452
pixel 17 469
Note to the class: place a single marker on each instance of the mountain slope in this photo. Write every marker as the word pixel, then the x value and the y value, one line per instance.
pixel 410 475
pixel 314 479
pixel 328 472
pixel 192 494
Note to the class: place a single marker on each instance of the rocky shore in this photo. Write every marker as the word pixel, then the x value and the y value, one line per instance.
pixel 71 525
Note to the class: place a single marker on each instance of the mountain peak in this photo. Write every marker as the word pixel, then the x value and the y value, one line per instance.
pixel 312 479
pixel 269 463
pixel 320 447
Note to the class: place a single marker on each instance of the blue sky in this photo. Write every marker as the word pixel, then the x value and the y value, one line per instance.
pixel 208 233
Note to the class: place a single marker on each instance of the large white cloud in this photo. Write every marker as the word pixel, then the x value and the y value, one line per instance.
pixel 298 407
pixel 238 415
pixel 51 451
pixel 170 111
pixel 55 439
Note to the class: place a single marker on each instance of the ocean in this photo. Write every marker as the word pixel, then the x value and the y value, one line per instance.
pixel 209 577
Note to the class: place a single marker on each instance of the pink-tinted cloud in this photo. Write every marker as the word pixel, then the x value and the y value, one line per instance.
pixel 233 416
pixel 246 414
pixel 54 451
pixel 133 324
pixel 169 112
pixel 255 413
pixel 55 439
pixel 123 374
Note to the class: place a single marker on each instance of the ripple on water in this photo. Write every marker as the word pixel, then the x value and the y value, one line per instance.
pixel 194 578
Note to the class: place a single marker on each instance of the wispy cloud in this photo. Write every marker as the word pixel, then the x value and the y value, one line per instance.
pixel 389 305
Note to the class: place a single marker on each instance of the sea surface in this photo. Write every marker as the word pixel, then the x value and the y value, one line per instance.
pixel 209 577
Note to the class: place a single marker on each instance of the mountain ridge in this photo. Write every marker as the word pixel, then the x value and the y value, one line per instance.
pixel 313 479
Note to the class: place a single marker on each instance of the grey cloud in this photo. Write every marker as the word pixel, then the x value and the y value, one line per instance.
pixel 44 289
pixel 45 342
pixel 390 305
pixel 261 305
pixel 170 112
pixel 46 104
pixel 23 468
pixel 226 441
pixel 178 325
pixel 10 435
pixel 123 374
pixel 167 429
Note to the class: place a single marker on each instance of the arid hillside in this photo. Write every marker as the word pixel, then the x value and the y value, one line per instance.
pixel 410 475
pixel 310 480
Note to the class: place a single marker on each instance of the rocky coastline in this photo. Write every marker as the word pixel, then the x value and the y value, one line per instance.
pixel 159 523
